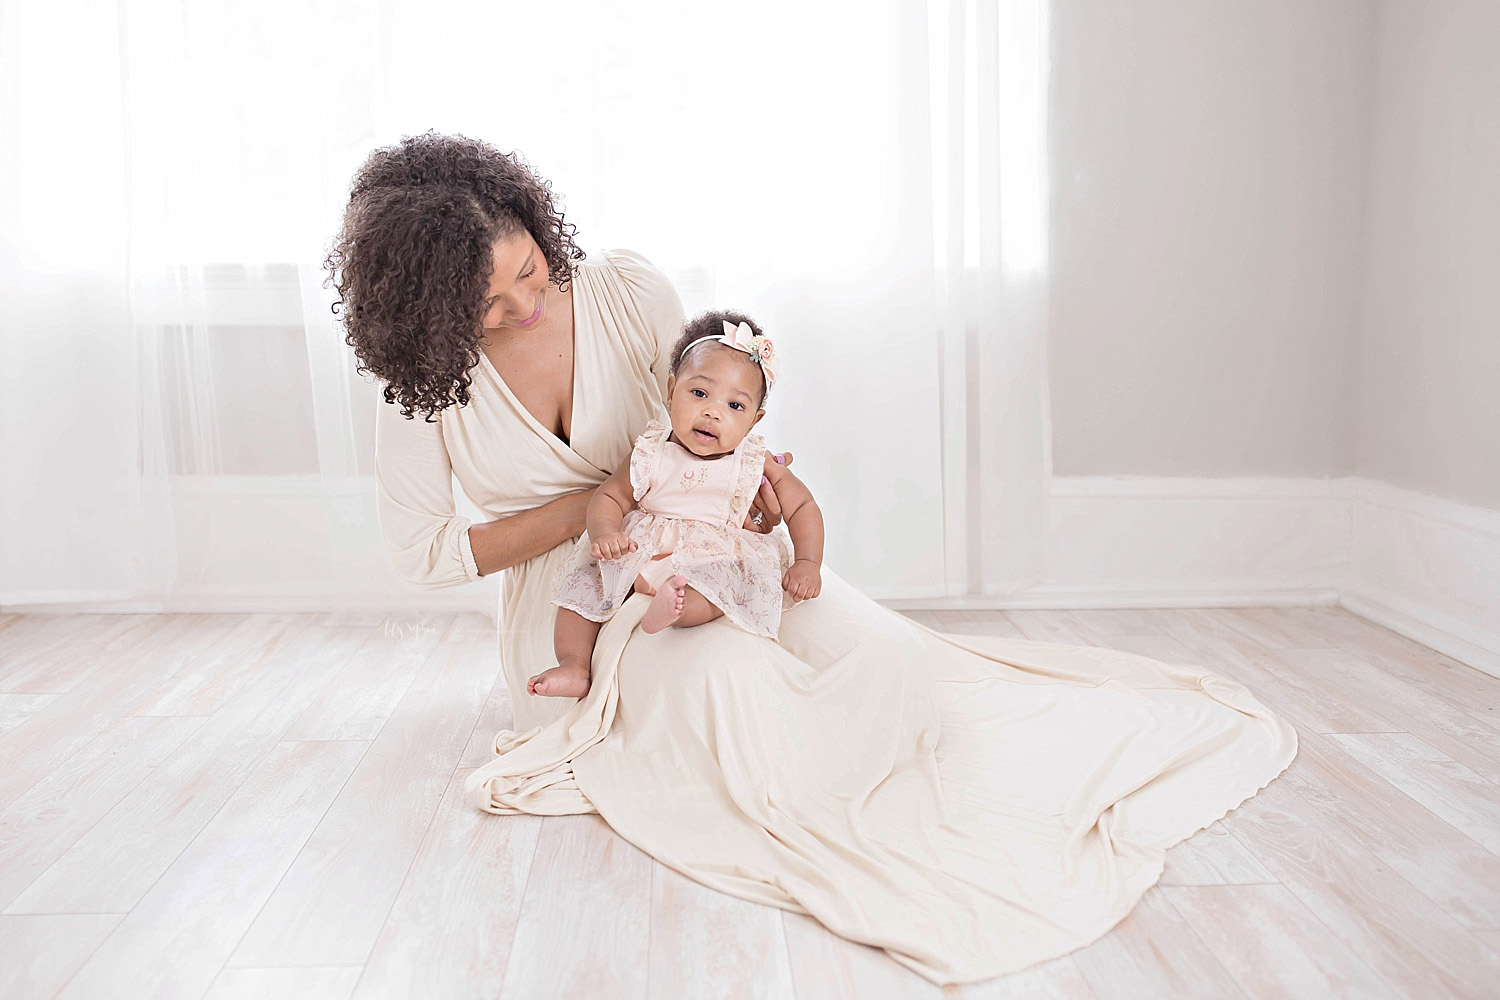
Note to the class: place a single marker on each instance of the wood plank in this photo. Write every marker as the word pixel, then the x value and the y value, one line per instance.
pixel 1331 710
pixel 38 954
pixel 1444 865
pixel 1050 626
pixel 1413 944
pixel 359 699
pixel 1438 722
pixel 27 635
pixel 8 621
pixel 449 933
pixel 1226 661
pixel 40 826
pixel 1342 625
pixel 1202 631
pixel 402 627
pixel 211 681
pixel 334 982
pixel 1213 857
pixel 17 708
pixel 926 618
pixel 473 625
pixel 71 720
pixel 352 619
pixel 1467 801
pixel 1305 702
pixel 78 653
pixel 1290 954
pixel 977 623
pixel 1440 676
pixel 1165 648
pixel 708 944
pixel 497 715
pixel 828 967
pixel 1272 629
pixel 1154 953
pixel 176 940
pixel 585 918
pixel 112 867
pixel 1059 979
pixel 1403 872
pixel 1103 623
pixel 330 907
pixel 71 650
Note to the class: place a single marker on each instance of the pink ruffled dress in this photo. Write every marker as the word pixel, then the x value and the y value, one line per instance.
pixel 693 508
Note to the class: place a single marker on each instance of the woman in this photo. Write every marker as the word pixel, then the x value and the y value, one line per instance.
pixel 972 806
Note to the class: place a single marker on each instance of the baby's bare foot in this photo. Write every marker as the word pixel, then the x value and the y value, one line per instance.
pixel 569 679
pixel 666 606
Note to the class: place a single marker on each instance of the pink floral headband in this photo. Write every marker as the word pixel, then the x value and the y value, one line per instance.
pixel 742 338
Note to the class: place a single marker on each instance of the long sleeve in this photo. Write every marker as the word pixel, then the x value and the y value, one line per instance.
pixel 425 539
pixel 660 309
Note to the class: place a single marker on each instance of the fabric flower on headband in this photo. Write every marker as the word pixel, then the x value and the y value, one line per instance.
pixel 760 349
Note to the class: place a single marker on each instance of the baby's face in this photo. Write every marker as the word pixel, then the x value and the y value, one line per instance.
pixel 714 399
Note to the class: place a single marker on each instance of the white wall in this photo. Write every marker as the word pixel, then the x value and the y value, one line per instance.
pixel 1207 174
pixel 1276 253
pixel 1429 354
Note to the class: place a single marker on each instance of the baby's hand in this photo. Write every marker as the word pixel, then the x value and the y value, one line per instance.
pixel 614 545
pixel 803 580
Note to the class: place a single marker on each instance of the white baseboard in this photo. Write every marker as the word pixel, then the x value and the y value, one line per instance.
pixel 249 601
pixel 1426 568
pixel 1136 541
pixel 1417 623
pixel 1143 540
pixel 1046 596
pixel 273 543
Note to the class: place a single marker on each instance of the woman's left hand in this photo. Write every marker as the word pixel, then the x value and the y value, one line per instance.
pixel 765 509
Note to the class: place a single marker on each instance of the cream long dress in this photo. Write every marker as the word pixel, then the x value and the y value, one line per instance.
pixel 971 805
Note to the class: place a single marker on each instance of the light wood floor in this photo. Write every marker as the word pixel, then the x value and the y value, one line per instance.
pixel 269 806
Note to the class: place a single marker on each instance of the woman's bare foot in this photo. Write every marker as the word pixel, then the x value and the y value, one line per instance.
pixel 666 606
pixel 569 679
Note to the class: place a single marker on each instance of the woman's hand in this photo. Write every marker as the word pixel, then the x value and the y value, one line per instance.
pixel 614 545
pixel 765 509
pixel 803 580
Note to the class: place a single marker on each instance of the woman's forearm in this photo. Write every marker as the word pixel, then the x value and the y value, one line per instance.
pixel 510 541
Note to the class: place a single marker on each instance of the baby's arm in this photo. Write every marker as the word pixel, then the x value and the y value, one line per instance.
pixel 804 522
pixel 612 501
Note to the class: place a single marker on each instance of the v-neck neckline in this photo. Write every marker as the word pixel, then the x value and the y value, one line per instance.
pixel 515 400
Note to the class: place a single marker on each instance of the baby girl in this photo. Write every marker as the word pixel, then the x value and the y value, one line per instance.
pixel 669 524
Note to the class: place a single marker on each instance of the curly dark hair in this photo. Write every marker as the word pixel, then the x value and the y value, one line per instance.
pixel 711 324
pixel 412 260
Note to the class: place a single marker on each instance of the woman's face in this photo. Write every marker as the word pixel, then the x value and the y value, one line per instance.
pixel 714 399
pixel 518 295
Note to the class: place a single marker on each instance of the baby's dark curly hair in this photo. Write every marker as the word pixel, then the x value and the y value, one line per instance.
pixel 711 324
pixel 412 261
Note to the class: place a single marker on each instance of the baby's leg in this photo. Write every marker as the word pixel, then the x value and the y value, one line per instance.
pixel 573 641
pixel 677 605
pixel 656 570
pixel 696 609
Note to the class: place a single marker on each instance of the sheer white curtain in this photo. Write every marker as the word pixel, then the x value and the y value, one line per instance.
pixel 183 426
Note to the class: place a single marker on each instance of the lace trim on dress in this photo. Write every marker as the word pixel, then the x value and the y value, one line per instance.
pixel 643 458
pixel 752 467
